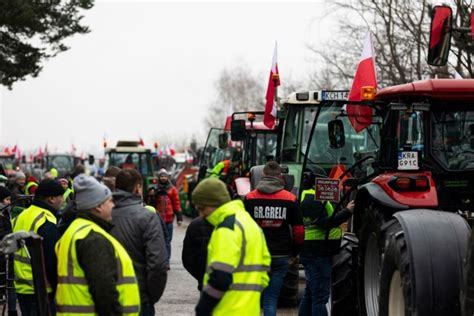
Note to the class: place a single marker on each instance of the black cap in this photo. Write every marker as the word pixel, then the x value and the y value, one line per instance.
pixel 49 187
pixel 4 193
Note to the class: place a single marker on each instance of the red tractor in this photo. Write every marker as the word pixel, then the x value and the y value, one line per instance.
pixel 414 196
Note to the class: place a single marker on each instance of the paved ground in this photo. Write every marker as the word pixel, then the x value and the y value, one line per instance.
pixel 181 292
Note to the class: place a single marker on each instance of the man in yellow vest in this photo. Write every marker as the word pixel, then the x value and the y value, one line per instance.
pixel 322 240
pixel 238 259
pixel 95 273
pixel 40 218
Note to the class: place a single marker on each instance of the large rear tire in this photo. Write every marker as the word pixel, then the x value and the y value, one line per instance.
pixel 344 278
pixel 467 292
pixel 422 266
pixel 376 226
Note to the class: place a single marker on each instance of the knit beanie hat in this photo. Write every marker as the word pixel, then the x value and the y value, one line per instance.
pixel 49 187
pixel 19 175
pixel 210 192
pixel 163 172
pixel 4 193
pixel 89 192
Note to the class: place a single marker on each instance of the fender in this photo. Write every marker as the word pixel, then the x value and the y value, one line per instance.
pixel 411 199
pixel 379 195
pixel 436 243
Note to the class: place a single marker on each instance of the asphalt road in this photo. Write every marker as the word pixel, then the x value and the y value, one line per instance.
pixel 181 294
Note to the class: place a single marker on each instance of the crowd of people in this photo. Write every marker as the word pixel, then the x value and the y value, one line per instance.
pixel 106 252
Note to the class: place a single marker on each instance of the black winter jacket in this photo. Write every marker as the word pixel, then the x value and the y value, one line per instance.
pixel 141 234
pixel 194 254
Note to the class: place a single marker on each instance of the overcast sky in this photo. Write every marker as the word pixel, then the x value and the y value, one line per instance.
pixel 148 69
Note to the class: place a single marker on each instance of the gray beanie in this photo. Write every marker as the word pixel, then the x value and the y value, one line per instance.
pixel 89 192
pixel 20 175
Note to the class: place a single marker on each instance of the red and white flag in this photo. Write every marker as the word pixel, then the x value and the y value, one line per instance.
pixel 361 115
pixel 140 141
pixel 228 119
pixel 271 107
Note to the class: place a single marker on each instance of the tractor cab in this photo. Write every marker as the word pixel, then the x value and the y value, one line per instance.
pixel 306 144
pixel 218 148
pixel 129 154
pixel 258 142
pixel 63 163
pixel 432 128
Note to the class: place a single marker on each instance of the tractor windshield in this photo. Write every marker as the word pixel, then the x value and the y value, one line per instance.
pixel 453 139
pixel 296 133
pixel 60 162
pixel 138 161
pixel 259 148
pixel 321 153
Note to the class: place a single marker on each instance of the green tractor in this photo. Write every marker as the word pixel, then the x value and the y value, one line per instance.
pixel 129 154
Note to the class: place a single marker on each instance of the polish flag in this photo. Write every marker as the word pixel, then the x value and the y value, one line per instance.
pixel 228 119
pixel 141 142
pixel 271 107
pixel 14 148
pixel 361 115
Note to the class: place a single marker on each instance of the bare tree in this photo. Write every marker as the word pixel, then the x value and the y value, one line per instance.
pixel 401 35
pixel 237 86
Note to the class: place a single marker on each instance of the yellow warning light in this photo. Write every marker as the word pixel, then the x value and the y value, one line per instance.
pixel 367 93
pixel 251 117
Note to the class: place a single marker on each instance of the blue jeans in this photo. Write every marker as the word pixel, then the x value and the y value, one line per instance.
pixel 148 309
pixel 318 282
pixel 278 270
pixel 168 237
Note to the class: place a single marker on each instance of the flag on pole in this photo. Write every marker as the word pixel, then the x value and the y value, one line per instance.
pixel 274 81
pixel 141 142
pixel 228 119
pixel 360 116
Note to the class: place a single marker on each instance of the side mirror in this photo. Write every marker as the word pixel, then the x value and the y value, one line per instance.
pixel 202 172
pixel 440 35
pixel 237 130
pixel 223 141
pixel 336 134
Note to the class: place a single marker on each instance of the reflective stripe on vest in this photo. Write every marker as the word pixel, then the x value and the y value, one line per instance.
pixel 312 232
pixel 73 295
pixel 30 219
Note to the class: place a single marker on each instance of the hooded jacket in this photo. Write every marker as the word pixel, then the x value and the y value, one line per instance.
pixel 141 234
pixel 276 211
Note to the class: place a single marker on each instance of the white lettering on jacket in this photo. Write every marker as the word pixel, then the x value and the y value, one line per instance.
pixel 269 212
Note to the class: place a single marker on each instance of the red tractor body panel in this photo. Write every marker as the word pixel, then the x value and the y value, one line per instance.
pixel 413 199
pixel 439 89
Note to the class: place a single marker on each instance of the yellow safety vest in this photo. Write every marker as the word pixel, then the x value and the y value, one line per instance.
pixel 30 219
pixel 66 194
pixel 73 296
pixel 242 251
pixel 30 185
pixel 312 232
